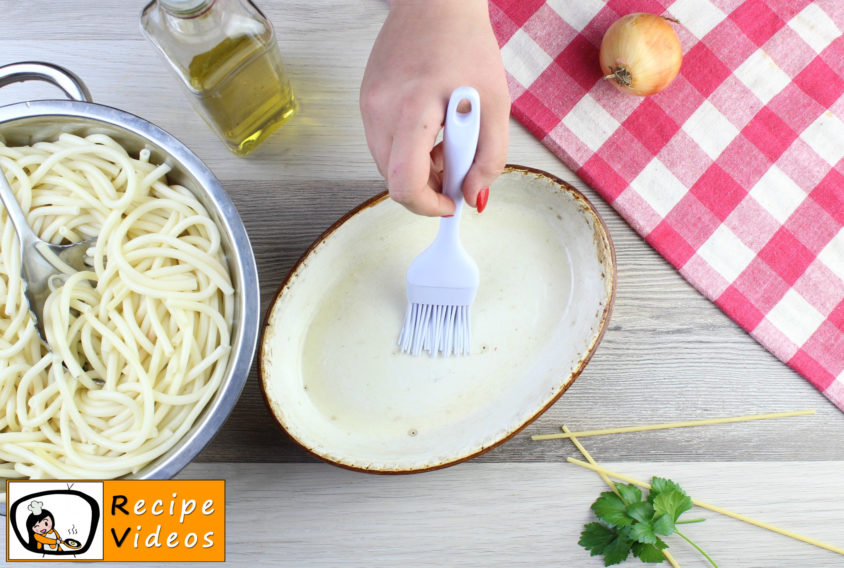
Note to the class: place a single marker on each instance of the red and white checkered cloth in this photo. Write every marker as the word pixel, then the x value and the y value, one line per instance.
pixel 734 173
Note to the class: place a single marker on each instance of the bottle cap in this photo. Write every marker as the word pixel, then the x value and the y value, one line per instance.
pixel 185 7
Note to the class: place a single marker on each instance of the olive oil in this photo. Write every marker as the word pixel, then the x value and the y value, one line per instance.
pixel 229 62
pixel 242 89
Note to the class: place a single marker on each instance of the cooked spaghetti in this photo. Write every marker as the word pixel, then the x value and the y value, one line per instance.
pixel 139 343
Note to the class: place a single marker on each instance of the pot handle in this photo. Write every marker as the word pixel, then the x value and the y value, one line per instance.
pixel 68 82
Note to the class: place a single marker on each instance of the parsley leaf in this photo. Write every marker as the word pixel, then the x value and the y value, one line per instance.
pixel 641 511
pixel 618 550
pixel 643 533
pixel 629 493
pixel 648 552
pixel 661 485
pixel 674 502
pixel 664 525
pixel 595 537
pixel 631 523
pixel 601 539
pixel 612 510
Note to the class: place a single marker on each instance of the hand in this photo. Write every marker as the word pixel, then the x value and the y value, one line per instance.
pixel 425 50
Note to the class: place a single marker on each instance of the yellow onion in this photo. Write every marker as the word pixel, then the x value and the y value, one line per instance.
pixel 641 53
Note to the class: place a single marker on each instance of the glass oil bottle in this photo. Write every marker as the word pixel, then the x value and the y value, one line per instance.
pixel 226 54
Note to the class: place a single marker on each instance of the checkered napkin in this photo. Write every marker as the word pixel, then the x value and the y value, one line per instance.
pixel 734 173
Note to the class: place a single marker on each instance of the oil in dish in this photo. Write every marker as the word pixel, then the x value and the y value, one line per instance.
pixel 227 57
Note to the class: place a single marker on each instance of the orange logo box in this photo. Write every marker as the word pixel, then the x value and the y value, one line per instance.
pixel 164 521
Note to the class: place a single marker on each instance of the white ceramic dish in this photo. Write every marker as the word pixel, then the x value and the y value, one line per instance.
pixel 331 371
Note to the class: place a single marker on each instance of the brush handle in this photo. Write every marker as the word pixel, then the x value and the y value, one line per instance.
pixel 460 141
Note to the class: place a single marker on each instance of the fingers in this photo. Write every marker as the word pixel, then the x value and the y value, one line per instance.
pixel 435 178
pixel 491 156
pixel 406 156
pixel 413 177
pixel 378 135
pixel 438 159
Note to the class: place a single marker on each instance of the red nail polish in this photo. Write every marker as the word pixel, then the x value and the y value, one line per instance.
pixel 483 196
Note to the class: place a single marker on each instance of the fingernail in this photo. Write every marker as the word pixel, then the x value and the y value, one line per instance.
pixel 446 216
pixel 483 196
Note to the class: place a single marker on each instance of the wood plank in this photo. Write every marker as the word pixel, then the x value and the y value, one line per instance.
pixel 511 514
pixel 115 20
pixel 505 515
pixel 651 363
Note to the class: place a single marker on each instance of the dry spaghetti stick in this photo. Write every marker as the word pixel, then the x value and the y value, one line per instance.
pixel 588 457
pixel 714 508
pixel 646 427
pixel 610 483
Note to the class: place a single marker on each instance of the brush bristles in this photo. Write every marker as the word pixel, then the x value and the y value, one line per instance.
pixel 436 329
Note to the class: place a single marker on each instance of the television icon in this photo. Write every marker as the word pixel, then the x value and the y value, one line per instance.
pixel 54 520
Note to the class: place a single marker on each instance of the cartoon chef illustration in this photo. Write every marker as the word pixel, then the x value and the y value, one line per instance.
pixel 41 530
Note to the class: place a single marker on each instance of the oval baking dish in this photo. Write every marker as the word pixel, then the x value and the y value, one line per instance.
pixel 335 380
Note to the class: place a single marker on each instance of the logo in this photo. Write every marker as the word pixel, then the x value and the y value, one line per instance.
pixel 118 520
pixel 54 521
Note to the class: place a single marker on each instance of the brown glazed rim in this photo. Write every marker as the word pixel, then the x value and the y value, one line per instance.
pixel 605 317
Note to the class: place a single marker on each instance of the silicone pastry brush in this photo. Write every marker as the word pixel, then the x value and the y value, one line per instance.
pixel 443 280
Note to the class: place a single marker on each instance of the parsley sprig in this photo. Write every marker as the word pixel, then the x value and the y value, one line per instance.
pixel 631 524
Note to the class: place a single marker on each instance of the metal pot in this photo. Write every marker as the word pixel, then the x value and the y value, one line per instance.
pixel 33 121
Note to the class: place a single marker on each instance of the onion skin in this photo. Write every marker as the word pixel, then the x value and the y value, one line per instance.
pixel 641 53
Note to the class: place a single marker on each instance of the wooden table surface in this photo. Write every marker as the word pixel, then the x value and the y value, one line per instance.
pixel 669 354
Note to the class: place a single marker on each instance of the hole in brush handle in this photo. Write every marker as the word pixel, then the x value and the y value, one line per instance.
pixel 460 140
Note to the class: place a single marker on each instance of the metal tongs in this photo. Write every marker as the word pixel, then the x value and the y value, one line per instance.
pixel 41 262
